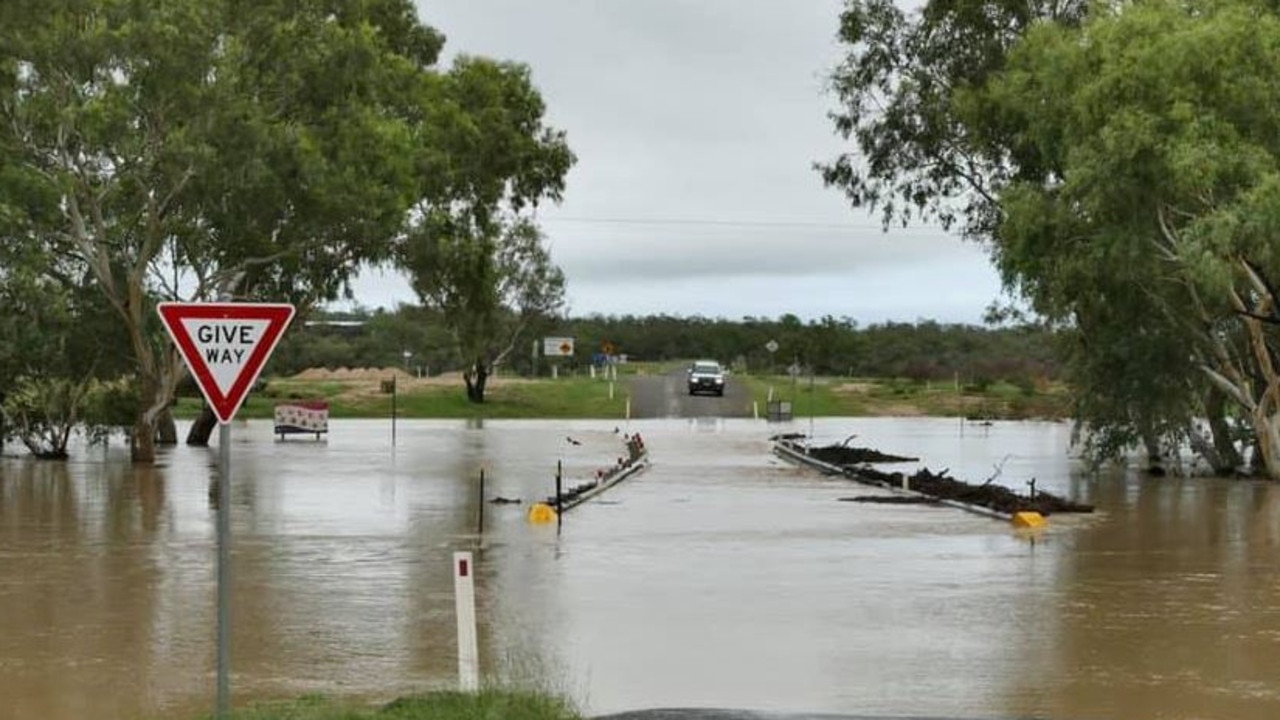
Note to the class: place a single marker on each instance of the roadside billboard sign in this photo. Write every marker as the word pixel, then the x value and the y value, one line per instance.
pixel 557 346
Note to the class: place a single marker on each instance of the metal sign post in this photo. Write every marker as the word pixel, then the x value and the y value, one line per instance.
pixel 224 569
pixel 225 345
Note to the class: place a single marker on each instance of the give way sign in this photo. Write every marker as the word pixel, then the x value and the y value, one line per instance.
pixel 225 346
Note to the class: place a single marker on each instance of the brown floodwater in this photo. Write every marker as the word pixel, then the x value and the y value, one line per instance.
pixel 719 577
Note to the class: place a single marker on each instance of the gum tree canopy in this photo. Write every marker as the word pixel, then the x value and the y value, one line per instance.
pixel 479 259
pixel 1162 122
pixel 1119 164
pixel 177 149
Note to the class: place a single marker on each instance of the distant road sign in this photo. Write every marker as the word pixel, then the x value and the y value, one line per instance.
pixel 557 346
pixel 225 345
pixel 771 346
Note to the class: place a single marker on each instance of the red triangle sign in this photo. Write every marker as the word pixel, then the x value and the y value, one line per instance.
pixel 225 346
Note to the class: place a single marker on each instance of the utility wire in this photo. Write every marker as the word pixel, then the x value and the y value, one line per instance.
pixel 715 222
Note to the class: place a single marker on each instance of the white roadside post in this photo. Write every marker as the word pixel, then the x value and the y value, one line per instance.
pixel 464 592
pixel 225 345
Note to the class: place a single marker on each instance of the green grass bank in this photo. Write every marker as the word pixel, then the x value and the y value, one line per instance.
pixel 484 705
pixel 362 395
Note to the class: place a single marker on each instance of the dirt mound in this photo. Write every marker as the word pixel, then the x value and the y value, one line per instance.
pixel 354 374
pixel 853 388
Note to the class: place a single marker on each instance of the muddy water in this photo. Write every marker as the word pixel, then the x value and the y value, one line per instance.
pixel 721 577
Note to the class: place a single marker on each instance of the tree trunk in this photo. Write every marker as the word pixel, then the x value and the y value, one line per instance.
pixel 146 426
pixel 1155 458
pixel 143 447
pixel 1265 412
pixel 202 429
pixel 1228 458
pixel 1255 461
pixel 476 378
pixel 1267 428
pixel 166 429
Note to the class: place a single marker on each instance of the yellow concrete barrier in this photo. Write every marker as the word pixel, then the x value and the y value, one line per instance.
pixel 1029 520
pixel 541 513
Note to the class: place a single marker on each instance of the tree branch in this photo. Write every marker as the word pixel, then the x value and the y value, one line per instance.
pixel 1227 386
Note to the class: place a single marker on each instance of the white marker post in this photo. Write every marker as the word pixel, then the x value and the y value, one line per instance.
pixel 464 591
pixel 225 345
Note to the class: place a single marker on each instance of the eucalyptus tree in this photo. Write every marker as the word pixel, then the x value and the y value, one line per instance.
pixel 472 251
pixel 54 349
pixel 489 283
pixel 1162 120
pixel 935 138
pixel 187 149
pixel 914 154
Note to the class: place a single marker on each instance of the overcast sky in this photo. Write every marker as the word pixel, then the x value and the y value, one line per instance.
pixel 696 124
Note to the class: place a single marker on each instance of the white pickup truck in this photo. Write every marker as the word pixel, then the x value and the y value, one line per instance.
pixel 706 376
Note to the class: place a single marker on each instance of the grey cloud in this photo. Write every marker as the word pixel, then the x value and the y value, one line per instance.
pixel 937 291
pixel 706 109
pixel 673 251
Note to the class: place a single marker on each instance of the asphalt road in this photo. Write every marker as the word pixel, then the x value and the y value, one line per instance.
pixel 667 396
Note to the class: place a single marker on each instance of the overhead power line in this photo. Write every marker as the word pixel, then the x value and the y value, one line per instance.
pixel 714 222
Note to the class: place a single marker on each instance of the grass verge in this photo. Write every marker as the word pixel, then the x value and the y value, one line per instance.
pixel 589 398
pixel 570 397
pixel 484 705
pixel 889 397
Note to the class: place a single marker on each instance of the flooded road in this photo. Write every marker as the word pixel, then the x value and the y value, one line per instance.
pixel 667 396
pixel 721 577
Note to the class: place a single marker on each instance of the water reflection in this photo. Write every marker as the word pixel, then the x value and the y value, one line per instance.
pixel 721 576
pixel 80 586
pixel 1171 607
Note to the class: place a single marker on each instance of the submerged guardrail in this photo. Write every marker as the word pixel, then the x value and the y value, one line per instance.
pixel 555 506
pixel 994 501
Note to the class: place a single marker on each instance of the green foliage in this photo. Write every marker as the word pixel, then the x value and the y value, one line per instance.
pixel 181 148
pixel 921 351
pixel 110 405
pixel 488 286
pixel 498 155
pixel 1121 161
pixel 854 397
pixel 472 256
pixel 901 87
pixel 1157 122
pixel 53 344
pixel 43 412
pixel 367 339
